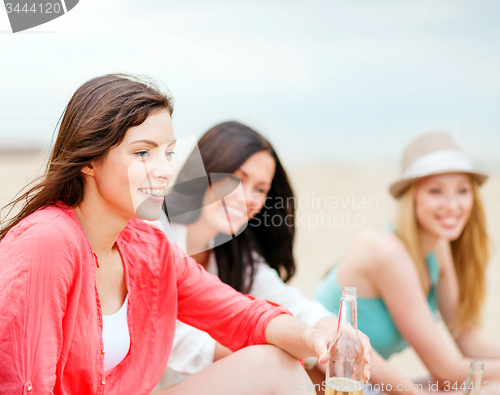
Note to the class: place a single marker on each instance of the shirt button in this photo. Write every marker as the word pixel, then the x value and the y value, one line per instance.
pixel 29 388
pixel 103 352
pixel 103 382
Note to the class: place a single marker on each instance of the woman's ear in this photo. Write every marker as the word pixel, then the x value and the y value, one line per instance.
pixel 88 170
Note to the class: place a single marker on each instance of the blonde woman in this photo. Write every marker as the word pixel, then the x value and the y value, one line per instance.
pixel 433 260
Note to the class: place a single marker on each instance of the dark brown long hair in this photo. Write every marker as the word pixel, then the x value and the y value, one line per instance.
pixel 223 149
pixel 95 120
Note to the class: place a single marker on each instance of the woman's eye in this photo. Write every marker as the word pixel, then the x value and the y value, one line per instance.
pixel 435 191
pixel 142 154
pixel 263 191
pixel 463 191
pixel 169 154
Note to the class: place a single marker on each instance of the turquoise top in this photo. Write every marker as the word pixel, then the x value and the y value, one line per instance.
pixel 374 319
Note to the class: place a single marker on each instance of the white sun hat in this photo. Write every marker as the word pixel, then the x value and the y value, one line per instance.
pixel 431 154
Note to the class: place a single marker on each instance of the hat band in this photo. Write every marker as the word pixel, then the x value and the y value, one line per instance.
pixel 436 161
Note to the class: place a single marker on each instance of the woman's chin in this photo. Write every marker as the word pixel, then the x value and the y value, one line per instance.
pixel 223 227
pixel 235 228
pixel 150 211
pixel 454 236
pixel 239 226
pixel 450 234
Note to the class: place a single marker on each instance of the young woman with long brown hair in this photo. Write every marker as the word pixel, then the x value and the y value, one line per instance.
pixel 434 260
pixel 90 293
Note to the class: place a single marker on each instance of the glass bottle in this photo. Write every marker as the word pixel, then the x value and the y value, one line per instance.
pixel 344 372
pixel 474 378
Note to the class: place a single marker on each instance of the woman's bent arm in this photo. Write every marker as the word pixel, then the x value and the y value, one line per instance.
pixel 471 342
pixel 36 276
pixel 232 319
pixel 405 299
pixel 297 339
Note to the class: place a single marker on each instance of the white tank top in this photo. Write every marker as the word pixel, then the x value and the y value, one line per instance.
pixel 115 336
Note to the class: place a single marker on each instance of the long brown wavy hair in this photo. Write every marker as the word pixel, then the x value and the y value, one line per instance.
pixel 95 120
pixel 470 255
pixel 223 149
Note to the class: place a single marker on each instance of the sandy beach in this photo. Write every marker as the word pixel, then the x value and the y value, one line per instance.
pixel 334 203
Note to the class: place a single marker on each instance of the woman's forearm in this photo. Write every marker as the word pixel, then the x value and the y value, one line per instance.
pixel 456 369
pixel 391 381
pixel 328 322
pixel 301 341
pixel 292 336
pixel 474 344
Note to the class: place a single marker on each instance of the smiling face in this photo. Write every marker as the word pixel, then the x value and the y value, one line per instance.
pixel 133 176
pixel 443 204
pixel 256 175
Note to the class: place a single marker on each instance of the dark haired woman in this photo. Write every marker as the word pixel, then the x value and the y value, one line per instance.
pixel 206 210
pixel 77 264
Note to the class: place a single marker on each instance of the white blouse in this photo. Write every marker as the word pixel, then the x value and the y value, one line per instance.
pixel 115 337
pixel 192 349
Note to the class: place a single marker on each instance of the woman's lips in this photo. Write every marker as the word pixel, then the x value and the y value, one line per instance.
pixel 157 199
pixel 449 222
pixel 234 213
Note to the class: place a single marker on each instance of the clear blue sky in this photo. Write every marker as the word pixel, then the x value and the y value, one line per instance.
pixel 336 80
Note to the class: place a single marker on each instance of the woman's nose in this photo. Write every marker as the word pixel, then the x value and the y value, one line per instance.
pixel 162 167
pixel 452 202
pixel 248 195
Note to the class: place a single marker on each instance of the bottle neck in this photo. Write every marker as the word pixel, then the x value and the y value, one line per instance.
pixel 348 311
pixel 474 378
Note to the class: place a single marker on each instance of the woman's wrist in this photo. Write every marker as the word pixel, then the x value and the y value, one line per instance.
pixel 292 336
pixel 309 341
pixel 327 322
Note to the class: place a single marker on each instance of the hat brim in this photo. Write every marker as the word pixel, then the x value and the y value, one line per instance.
pixel 399 186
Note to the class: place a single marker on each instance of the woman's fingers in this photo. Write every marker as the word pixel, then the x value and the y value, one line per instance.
pixel 319 341
pixel 322 338
pixel 322 352
pixel 367 354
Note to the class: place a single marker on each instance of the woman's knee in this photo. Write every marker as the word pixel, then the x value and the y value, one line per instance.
pixel 273 358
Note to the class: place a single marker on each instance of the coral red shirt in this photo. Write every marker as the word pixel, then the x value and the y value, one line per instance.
pixel 50 315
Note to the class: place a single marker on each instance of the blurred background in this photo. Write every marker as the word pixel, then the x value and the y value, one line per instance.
pixel 338 87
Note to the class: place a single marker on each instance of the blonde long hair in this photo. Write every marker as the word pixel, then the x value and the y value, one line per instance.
pixel 470 255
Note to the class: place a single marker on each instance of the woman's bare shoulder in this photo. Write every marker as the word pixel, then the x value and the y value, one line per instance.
pixel 372 253
pixel 378 241
pixel 377 248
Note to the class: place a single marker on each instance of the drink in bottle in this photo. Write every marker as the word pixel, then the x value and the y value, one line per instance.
pixel 344 372
pixel 474 378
